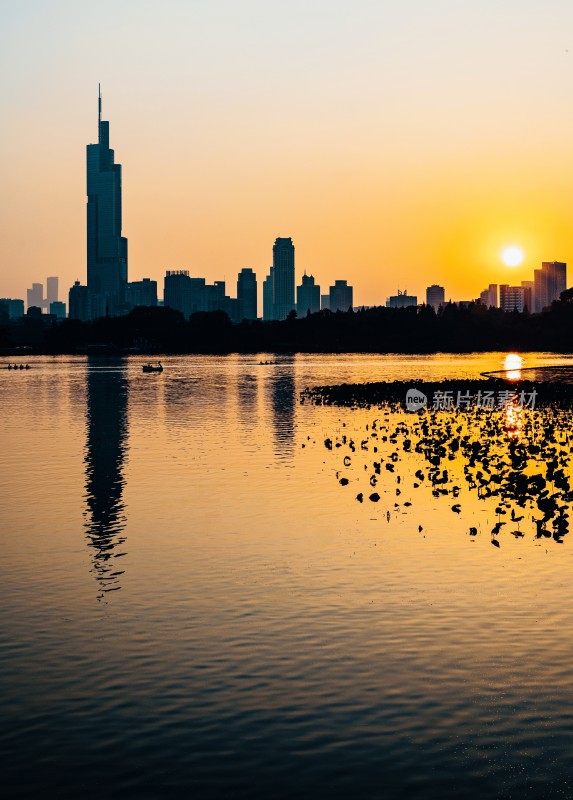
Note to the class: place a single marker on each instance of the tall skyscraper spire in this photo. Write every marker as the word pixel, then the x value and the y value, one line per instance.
pixel 106 247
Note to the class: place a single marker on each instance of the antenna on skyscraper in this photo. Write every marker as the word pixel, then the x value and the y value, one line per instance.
pixel 99 103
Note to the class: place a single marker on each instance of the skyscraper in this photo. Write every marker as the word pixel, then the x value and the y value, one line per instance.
pixel 106 247
pixel 283 278
pixel 247 294
pixel 51 290
pixel 35 296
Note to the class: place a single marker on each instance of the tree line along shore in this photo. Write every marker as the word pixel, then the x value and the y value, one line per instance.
pixel 417 329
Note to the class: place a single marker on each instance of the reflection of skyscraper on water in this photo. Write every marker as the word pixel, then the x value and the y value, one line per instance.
pixel 106 417
pixel 247 396
pixel 282 396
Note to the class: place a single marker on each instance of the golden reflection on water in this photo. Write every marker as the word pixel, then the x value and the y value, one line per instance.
pixel 513 422
pixel 513 365
pixel 258 593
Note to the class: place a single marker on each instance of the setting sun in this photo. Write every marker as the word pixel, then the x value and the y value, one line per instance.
pixel 512 256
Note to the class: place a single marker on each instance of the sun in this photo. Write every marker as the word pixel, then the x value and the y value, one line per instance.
pixel 512 256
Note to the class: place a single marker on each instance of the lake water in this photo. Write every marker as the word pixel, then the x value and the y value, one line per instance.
pixel 192 604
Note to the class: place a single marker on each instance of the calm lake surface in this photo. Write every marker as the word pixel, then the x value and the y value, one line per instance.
pixel 192 605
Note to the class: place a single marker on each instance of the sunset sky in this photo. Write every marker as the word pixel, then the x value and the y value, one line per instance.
pixel 398 143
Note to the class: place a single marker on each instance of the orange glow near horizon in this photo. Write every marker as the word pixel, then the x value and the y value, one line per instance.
pixel 391 166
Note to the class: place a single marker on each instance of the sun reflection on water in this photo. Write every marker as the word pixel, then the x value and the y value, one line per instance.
pixel 513 365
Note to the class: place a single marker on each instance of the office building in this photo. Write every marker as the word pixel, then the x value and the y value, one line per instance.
pixel 79 302
pixel 528 287
pixel 35 296
pixel 401 300
pixel 191 295
pixel 269 296
pixel 548 283
pixel 340 296
pixel 325 302
pixel 247 294
pixel 435 296
pixel 51 291
pixel 283 278
pixel 307 296
pixel 58 309
pixel 175 290
pixel 488 297
pixel 106 247
pixel 511 298
pixel 14 308
pixel 141 293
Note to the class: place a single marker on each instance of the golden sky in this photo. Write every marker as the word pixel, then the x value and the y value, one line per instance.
pixel 398 143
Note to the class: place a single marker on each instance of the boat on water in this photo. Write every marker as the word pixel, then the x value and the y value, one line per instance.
pixel 153 368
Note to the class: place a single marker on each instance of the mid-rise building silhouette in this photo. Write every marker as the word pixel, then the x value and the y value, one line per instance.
pixel 58 309
pixel 106 247
pixel 191 295
pixel 79 302
pixel 307 296
pixel 325 302
pixel 435 296
pixel 141 293
pixel 14 307
pixel 247 294
pixel 401 300
pixel 340 296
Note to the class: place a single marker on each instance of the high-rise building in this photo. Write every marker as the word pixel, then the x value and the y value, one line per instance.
pixel 141 293
pixel 78 302
pixel 35 296
pixel 106 247
pixel 325 302
pixel 307 296
pixel 548 283
pixel 283 278
pixel 269 296
pixel 340 296
pixel 247 294
pixel 51 290
pixel 435 296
